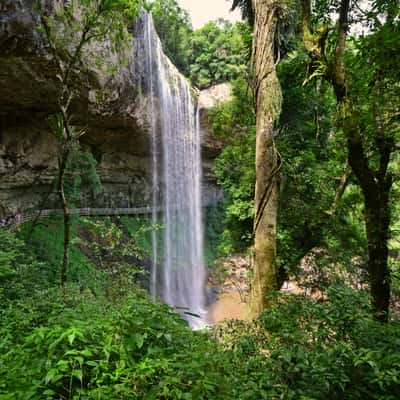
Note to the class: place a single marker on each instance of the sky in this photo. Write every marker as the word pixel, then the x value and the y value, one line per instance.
pixel 203 11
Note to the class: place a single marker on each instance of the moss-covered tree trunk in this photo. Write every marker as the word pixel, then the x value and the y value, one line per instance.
pixel 268 101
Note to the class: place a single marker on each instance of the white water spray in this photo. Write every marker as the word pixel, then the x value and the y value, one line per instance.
pixel 178 274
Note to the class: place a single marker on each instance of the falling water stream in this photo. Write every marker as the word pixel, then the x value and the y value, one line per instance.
pixel 178 274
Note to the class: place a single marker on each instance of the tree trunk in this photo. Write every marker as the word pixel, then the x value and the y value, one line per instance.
pixel 376 188
pixel 268 101
pixel 377 220
pixel 374 183
pixel 67 219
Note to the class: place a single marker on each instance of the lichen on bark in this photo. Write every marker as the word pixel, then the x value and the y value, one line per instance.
pixel 268 102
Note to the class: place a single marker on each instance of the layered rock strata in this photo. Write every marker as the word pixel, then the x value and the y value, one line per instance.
pixel 111 109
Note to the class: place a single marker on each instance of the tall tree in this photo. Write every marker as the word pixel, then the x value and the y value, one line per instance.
pixel 268 106
pixel 366 118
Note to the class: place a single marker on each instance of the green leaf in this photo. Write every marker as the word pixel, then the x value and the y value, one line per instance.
pixel 139 340
pixel 92 363
pixel 52 376
pixel 71 337
pixel 87 352
pixel 78 373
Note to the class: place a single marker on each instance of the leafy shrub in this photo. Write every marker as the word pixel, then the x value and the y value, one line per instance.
pixel 136 350
pixel 20 272
pixel 304 349
pixel 95 346
pixel 46 242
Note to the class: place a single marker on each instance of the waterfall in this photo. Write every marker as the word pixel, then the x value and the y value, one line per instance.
pixel 178 274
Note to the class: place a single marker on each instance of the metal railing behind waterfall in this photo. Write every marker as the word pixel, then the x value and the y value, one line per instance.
pixel 18 219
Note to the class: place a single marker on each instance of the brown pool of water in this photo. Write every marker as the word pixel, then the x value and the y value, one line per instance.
pixel 228 305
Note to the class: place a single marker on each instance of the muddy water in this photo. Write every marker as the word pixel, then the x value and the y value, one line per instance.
pixel 228 305
pixel 231 305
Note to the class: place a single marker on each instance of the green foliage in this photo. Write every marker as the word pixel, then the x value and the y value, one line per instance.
pixel 174 29
pixel 132 350
pixel 70 27
pixel 125 346
pixel 373 70
pixel 314 161
pixel 214 226
pixel 215 53
pixel 304 349
pixel 119 253
pixel 20 273
pixel 140 229
pixel 105 254
pixel 234 122
pixel 78 34
pixel 56 123
pixel 313 164
pixel 219 53
pixel 238 182
pixel 81 173
pixel 46 242
pixel 364 74
pixel 113 343
pixel 107 340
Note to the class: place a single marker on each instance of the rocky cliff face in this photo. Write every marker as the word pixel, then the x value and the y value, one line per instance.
pixel 111 109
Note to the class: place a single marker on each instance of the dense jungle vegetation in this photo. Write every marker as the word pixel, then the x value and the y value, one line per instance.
pixel 102 337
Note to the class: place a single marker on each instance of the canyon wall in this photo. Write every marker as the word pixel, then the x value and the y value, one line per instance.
pixel 110 108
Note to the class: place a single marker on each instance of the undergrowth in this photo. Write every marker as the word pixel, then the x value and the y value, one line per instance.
pixel 115 343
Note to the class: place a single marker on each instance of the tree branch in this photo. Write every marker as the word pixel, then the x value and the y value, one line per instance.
pixel 77 52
